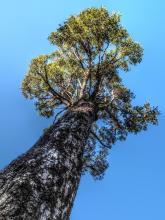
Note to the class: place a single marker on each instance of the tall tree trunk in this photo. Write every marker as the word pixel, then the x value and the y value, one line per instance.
pixel 42 183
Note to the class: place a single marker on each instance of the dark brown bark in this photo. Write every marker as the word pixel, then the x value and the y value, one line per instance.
pixel 42 183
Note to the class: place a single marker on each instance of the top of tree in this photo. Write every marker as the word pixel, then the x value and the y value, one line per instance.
pixel 92 48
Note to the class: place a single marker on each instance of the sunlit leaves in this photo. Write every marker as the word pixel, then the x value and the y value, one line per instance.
pixel 131 50
pixel 89 31
pixel 92 47
pixel 91 50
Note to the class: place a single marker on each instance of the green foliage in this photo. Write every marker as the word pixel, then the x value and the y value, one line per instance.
pixel 92 48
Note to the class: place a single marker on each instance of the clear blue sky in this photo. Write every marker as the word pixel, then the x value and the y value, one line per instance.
pixel 134 185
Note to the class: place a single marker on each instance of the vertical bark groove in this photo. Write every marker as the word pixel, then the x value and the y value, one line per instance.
pixel 42 183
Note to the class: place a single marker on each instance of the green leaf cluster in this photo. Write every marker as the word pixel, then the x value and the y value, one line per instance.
pixel 91 50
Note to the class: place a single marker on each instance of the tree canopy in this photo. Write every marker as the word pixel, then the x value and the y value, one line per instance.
pixel 91 50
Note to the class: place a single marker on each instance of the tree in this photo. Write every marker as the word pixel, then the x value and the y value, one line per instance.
pixel 80 84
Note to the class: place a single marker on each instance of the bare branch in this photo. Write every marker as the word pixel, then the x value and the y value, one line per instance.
pixel 84 82
pixel 57 115
pixel 78 80
pixel 101 142
pixel 77 55
pixel 90 83
pixel 104 52
pixel 113 117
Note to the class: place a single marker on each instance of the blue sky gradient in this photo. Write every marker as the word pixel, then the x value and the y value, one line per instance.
pixel 134 185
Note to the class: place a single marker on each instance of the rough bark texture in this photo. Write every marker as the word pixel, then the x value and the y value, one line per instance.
pixel 42 183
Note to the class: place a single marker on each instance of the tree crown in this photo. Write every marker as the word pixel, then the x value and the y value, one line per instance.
pixel 92 48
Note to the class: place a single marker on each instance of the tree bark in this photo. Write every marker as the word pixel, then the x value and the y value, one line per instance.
pixel 42 183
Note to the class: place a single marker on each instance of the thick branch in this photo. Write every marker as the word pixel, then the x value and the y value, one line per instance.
pixel 83 85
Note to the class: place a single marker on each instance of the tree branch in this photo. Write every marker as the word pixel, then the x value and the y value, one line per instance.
pixel 101 142
pixel 54 93
pixel 113 117
pixel 77 55
pixel 59 114
pixel 104 52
